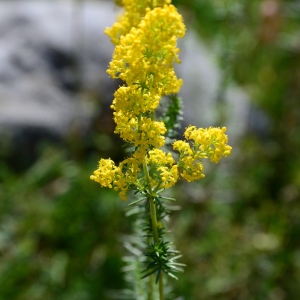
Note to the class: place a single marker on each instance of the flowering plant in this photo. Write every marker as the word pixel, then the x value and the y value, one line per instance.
pixel 145 37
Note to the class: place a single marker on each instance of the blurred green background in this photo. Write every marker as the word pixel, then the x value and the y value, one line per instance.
pixel 238 229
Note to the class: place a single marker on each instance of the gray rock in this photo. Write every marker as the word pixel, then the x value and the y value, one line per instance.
pixel 200 92
pixel 53 58
pixel 49 51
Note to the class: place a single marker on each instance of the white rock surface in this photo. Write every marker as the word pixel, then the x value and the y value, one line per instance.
pixel 39 41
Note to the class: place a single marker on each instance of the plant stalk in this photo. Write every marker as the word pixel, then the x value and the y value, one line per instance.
pixel 154 225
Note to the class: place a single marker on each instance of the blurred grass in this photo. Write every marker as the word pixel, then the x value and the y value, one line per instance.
pixel 59 232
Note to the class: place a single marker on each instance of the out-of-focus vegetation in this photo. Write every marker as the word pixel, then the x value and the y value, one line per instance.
pixel 238 229
pixel 249 248
pixel 59 233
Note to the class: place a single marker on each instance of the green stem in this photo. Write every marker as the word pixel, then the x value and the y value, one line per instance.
pixel 151 5
pixel 154 220
pixel 161 286
pixel 154 225
pixel 151 284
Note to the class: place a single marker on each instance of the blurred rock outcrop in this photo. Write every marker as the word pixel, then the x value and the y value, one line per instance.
pixel 53 59
pixel 49 51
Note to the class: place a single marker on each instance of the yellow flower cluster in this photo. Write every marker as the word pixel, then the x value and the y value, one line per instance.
pixel 105 173
pixel 163 171
pixel 145 38
pixel 144 61
pixel 206 143
pixel 134 12
pixel 119 177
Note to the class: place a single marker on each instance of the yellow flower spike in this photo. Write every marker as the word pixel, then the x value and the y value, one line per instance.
pixel 146 36
pixel 144 60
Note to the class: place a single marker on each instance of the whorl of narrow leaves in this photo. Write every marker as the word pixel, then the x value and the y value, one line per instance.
pixel 161 256
pixel 172 116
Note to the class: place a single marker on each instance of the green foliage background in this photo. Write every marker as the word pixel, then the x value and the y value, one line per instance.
pixel 238 232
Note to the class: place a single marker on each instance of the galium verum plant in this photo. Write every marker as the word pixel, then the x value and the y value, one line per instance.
pixel 145 37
